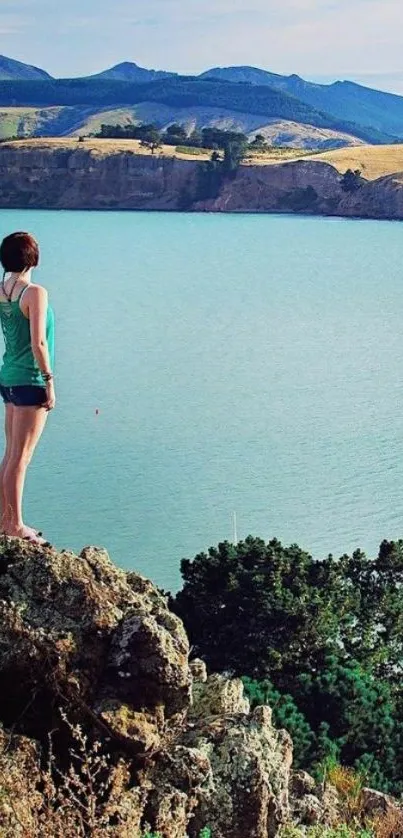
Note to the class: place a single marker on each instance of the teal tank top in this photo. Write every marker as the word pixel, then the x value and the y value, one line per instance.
pixel 19 365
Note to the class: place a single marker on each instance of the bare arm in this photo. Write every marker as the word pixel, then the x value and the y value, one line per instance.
pixel 37 300
pixel 37 303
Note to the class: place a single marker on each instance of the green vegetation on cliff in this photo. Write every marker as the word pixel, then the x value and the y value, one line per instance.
pixel 322 641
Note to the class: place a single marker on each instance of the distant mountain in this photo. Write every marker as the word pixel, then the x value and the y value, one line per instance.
pixel 344 99
pixel 128 71
pixel 343 107
pixel 181 92
pixel 250 75
pixel 11 69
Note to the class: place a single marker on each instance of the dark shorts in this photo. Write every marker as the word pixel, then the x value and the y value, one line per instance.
pixel 25 395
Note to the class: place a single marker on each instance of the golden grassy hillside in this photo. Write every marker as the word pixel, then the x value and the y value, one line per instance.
pixel 103 147
pixel 373 160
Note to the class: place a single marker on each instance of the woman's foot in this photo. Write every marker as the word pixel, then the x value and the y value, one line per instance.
pixel 36 539
pixel 32 530
pixel 26 533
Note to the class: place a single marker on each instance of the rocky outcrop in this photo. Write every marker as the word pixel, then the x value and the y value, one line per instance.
pixel 311 187
pixel 91 657
pixel 302 185
pixel 381 198
pixel 70 175
pixel 81 633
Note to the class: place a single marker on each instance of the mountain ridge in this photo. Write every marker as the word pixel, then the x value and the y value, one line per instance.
pixel 130 71
pixel 345 106
pixel 181 91
pixel 346 99
pixel 11 69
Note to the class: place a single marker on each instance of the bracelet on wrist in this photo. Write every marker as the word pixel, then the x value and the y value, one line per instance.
pixel 47 376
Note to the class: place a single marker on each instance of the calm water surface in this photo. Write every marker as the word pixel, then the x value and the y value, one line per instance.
pixel 249 363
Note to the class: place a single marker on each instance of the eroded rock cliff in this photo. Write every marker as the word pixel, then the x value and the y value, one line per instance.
pixel 46 175
pixel 67 175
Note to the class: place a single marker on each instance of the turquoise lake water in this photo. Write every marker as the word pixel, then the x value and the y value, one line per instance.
pixel 247 363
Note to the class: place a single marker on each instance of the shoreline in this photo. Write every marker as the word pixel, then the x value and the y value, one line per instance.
pixel 271 213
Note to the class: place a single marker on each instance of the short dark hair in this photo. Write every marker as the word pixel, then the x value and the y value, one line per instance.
pixel 19 252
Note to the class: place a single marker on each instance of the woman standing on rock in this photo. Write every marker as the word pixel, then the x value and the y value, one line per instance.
pixel 26 376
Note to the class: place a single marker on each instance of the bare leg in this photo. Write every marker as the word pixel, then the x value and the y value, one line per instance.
pixel 8 424
pixel 27 426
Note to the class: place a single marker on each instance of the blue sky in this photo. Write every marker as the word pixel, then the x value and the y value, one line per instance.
pixel 318 39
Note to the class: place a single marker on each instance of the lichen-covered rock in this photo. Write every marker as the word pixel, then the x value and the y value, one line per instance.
pixel 331 804
pixel 177 781
pixel 250 763
pixel 199 670
pixel 308 810
pixel 217 696
pixel 140 730
pixel 377 803
pixel 20 779
pixel 76 631
pixel 301 783
pixel 311 802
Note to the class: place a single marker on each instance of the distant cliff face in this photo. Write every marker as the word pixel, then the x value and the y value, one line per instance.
pixel 301 186
pixel 52 176
pixel 308 187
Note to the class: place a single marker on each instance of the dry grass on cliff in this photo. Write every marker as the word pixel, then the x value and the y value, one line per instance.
pixel 102 147
pixel 373 160
pixel 389 825
pixel 349 785
pixel 105 147
pixel 83 801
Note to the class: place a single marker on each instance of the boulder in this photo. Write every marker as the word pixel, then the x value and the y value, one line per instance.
pixel 216 696
pixel 301 783
pixel 77 632
pixel 375 803
pixel 199 670
pixel 250 764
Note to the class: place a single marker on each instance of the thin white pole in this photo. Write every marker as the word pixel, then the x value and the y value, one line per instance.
pixel 235 528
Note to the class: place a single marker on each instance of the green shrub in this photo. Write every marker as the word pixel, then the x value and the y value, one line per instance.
pixel 351 180
pixel 285 715
pixel 321 640
pixel 187 149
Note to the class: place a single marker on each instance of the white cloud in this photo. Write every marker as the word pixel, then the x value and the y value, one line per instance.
pixel 11 24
